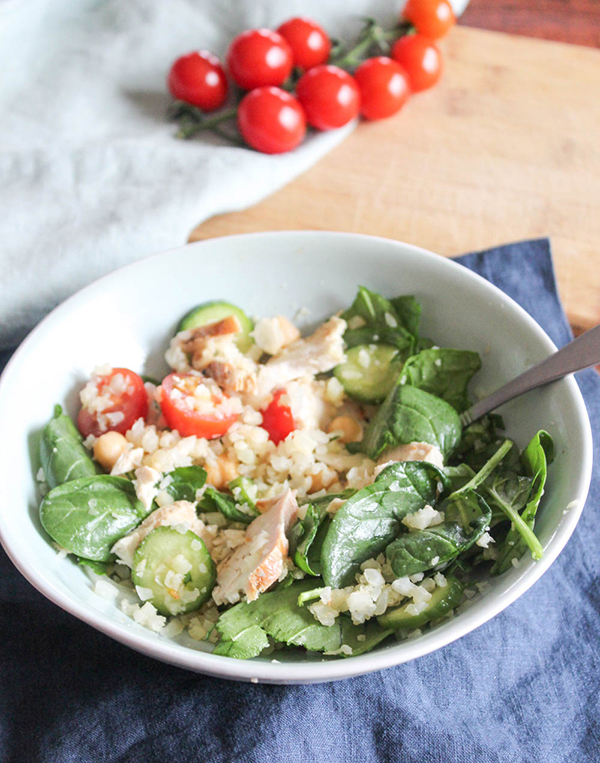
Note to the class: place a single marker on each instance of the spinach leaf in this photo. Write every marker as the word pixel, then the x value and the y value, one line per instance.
pixel 249 644
pixel 535 459
pixel 213 500
pixel 62 453
pixel 408 311
pixel 467 518
pixel 244 491
pixel 479 441
pixel 379 322
pixel 370 520
pixel 87 516
pixel 100 568
pixel 371 634
pixel 182 483
pixel 443 372
pixel 458 476
pixel 409 414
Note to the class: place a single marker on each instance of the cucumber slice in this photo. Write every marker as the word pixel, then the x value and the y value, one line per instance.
pixel 369 372
pixel 176 567
pixel 442 601
pixel 209 312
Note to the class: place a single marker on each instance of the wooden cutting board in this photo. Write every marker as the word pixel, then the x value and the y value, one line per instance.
pixel 506 148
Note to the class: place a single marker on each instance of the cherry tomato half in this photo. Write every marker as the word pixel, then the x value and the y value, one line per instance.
pixel 198 78
pixel 179 401
pixel 383 86
pixel 329 96
pixel 309 42
pixel 271 120
pixel 259 57
pixel 278 419
pixel 421 59
pixel 113 403
pixel 433 18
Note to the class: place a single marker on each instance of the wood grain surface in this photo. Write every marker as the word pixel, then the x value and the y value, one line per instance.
pixel 506 148
pixel 574 21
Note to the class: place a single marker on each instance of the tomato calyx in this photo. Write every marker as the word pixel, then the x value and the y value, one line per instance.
pixel 277 417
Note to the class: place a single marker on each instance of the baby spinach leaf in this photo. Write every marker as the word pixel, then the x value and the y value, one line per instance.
pixel 87 516
pixel 182 483
pixel 443 372
pixel 100 568
pixel 535 459
pixel 409 414
pixel 250 644
pixel 380 323
pixel 467 518
pixel 62 453
pixel 244 491
pixel 458 475
pixel 479 441
pixel 370 520
pixel 213 500
pixel 408 311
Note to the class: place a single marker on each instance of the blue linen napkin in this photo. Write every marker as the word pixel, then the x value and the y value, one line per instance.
pixel 523 687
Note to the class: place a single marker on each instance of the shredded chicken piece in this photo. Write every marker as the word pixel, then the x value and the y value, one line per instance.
pixel 180 512
pixel 260 560
pixel 230 378
pixel 317 353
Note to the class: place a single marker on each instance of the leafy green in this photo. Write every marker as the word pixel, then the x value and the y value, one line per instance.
pixel 62 453
pixel 87 516
pixel 458 476
pixel 182 483
pixel 467 518
pixel 479 441
pixel 535 459
pixel 443 372
pixel 244 491
pixel 213 500
pixel 381 323
pixel 249 644
pixel 371 519
pixel 100 568
pixel 371 634
pixel 409 414
pixel 408 311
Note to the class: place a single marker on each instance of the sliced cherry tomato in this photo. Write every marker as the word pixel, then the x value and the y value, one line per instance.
pixel 112 403
pixel 433 18
pixel 196 406
pixel 421 59
pixel 198 78
pixel 309 42
pixel 259 57
pixel 278 419
pixel 383 86
pixel 271 120
pixel 329 96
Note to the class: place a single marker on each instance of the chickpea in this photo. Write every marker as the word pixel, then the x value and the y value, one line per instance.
pixel 221 472
pixel 320 481
pixel 350 429
pixel 108 447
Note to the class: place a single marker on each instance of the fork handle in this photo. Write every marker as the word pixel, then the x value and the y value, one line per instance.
pixel 581 353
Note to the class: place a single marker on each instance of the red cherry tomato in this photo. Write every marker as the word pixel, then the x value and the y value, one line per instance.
pixel 433 18
pixel 271 120
pixel 309 42
pixel 114 403
pixel 329 96
pixel 198 78
pixel 259 57
pixel 421 59
pixel 383 86
pixel 278 419
pixel 178 401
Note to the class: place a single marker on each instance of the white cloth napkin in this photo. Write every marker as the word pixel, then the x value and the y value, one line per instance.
pixel 91 176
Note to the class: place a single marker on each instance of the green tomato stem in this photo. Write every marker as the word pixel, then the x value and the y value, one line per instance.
pixel 190 129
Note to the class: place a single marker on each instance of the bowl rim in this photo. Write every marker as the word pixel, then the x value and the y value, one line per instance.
pixel 173 653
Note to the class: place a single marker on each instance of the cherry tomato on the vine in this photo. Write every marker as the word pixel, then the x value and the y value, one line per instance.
pixel 198 78
pixel 433 18
pixel 329 96
pixel 259 57
pixel 278 419
pixel 309 42
pixel 421 58
pixel 383 86
pixel 271 120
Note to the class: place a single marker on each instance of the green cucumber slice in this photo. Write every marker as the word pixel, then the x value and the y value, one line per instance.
pixel 442 601
pixel 369 372
pixel 209 312
pixel 176 567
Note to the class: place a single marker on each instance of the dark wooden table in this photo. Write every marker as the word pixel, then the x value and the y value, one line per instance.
pixel 575 21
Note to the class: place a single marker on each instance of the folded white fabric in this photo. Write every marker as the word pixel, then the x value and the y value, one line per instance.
pixel 91 176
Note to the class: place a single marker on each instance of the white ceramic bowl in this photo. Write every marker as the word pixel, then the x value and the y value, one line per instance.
pixel 127 318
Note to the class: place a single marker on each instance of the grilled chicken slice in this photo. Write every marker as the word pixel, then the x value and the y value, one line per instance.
pixel 412 451
pixel 259 562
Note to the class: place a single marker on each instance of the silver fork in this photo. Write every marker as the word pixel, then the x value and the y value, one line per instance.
pixel 581 353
